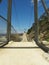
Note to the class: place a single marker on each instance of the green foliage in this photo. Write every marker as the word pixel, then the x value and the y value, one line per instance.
pixel 43 28
pixel 47 39
pixel 31 29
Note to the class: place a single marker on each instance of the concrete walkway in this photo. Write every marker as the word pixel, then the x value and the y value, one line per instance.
pixel 22 57
pixel 21 44
pixel 15 56
pixel 34 56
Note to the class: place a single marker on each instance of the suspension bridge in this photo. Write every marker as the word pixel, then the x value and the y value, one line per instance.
pixel 15 48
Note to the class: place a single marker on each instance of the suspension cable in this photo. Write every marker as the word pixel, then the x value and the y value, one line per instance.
pixel 6 21
pixel 16 14
pixel 45 7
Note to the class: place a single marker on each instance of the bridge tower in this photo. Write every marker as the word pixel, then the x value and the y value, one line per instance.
pixel 9 20
pixel 36 20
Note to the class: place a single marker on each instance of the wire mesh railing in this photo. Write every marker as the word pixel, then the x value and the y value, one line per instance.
pixel 3 31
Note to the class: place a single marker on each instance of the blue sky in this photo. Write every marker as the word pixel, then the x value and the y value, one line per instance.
pixel 22 16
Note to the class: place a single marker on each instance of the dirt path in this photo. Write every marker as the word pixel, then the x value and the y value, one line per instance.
pixel 24 38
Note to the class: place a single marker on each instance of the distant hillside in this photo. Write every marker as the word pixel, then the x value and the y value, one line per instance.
pixel 43 28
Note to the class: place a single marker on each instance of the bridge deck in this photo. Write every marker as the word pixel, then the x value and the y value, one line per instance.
pixel 22 57
pixel 19 56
